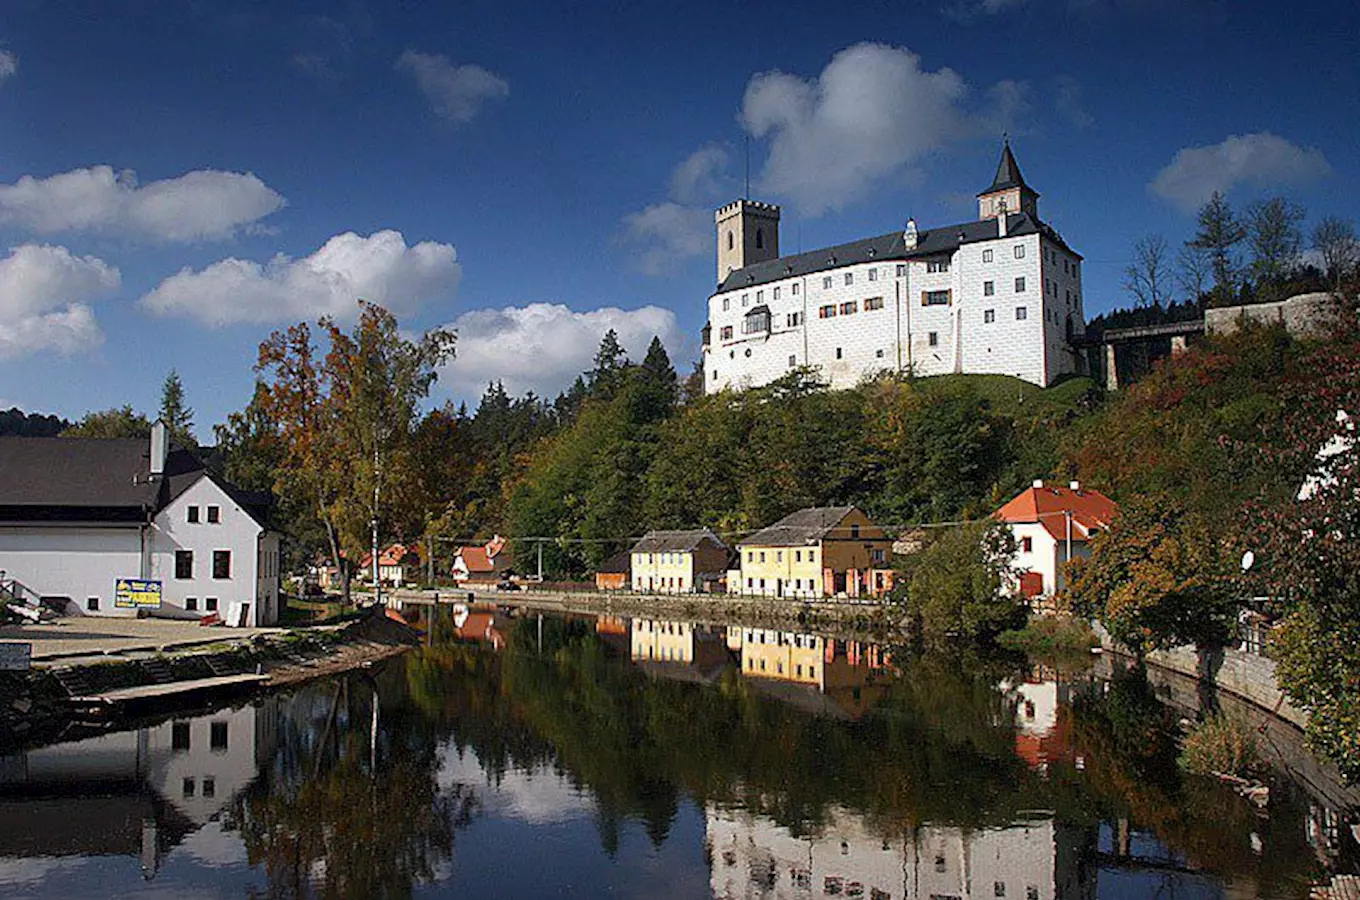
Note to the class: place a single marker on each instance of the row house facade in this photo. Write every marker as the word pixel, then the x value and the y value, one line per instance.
pixel 815 552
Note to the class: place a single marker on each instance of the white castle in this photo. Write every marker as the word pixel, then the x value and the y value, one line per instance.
pixel 1000 295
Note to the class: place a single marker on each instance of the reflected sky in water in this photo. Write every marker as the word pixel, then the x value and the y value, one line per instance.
pixel 645 758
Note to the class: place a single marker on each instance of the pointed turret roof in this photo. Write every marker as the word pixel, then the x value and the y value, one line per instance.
pixel 1007 174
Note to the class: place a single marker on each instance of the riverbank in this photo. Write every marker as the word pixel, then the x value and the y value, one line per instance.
pixel 45 703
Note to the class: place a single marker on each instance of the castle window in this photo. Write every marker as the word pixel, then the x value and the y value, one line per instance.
pixel 730 241
pixel 933 339
pixel 935 298
pixel 849 277
pixel 793 361
pixel 988 316
pixel 1020 285
pixel 745 299
pixel 1021 313
pixel 826 283
pixel 988 288
pixel 827 312
pixel 1066 270
pixel 850 307
pixel 794 319
pixel 937 265
pixel 727 332
pixel 795 289
pixel 901 270
pixel 776 292
pixel 873 303
pixel 986 256
pixel 727 303
pixel 1019 251
pixel 873 274
pixel 878 353
pixel 760 296
pixel 839 353
pixel 756 321
pixel 760 239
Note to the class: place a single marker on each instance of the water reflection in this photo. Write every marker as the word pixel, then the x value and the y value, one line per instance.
pixel 523 755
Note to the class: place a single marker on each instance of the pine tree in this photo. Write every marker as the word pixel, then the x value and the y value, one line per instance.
pixel 610 361
pixel 178 418
pixel 1219 234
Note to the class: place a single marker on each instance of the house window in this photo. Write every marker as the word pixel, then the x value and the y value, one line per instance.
pixel 849 277
pixel 221 564
pixel 854 532
pixel 795 290
pixel 839 354
pixel 826 282
pixel 776 292
pixel 726 333
pixel 998 888
pixel 727 303
pixel 1027 545
pixel 762 559
pixel 1020 285
pixel 1019 251
pixel 193 515
pixel 188 788
pixel 210 604
pixel 988 316
pixel 191 604
pixel 179 736
pixel 901 270
pixel 793 361
pixel 937 265
pixel 849 307
pixel 214 515
pixel 988 288
pixel 92 604
pixel 745 299
pixel 217 737
pixel 827 312
pixel 1021 313
pixel 873 274
pixel 184 564
pixel 935 298
pixel 986 256
pixel 760 296
pixel 209 788
pixel 933 339
pixel 873 303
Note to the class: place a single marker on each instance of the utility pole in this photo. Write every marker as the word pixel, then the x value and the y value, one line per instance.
pixel 377 585
pixel 540 562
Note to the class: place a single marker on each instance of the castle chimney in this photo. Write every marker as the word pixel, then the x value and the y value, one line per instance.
pixel 1038 483
pixel 160 447
pixel 909 235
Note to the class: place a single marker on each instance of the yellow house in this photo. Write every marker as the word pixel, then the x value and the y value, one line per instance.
pixel 676 562
pixel 817 552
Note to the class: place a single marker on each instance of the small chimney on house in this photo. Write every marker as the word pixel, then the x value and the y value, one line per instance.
pixel 1075 486
pixel 910 235
pixel 1038 483
pixel 160 446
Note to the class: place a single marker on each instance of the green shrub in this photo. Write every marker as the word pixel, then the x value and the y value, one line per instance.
pixel 1051 636
pixel 1220 745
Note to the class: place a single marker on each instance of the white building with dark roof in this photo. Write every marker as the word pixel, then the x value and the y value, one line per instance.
pixel 676 562
pixel 1000 295
pixel 78 515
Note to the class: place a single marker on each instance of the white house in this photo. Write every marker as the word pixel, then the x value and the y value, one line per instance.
pixel 77 515
pixel 999 295
pixel 1052 525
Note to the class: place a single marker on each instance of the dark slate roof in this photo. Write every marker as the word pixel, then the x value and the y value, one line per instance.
pixel 891 246
pixel 99 480
pixel 674 541
pixel 807 526
pixel 1008 174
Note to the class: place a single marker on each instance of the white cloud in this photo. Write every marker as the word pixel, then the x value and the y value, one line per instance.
pixel 870 115
pixel 1261 159
pixel 1069 102
pixel 668 233
pixel 43 294
pixel 539 796
pixel 542 347
pixel 349 267
pixel 701 177
pixel 9 64
pixel 201 205
pixel 968 10
pixel 457 93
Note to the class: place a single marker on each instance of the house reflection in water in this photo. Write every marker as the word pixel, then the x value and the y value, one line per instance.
pixel 841 677
pixel 1043 727
pixel 752 856
pixel 134 793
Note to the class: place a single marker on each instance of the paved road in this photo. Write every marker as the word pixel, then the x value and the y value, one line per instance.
pixel 75 639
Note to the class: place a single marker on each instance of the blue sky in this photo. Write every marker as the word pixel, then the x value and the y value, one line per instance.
pixel 178 179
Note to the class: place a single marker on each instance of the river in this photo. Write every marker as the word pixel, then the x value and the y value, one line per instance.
pixel 584 756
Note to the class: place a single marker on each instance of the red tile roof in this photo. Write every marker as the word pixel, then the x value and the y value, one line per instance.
pixel 1049 506
pixel 392 556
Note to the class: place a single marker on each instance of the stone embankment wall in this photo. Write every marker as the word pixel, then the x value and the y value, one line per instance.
pixel 1303 315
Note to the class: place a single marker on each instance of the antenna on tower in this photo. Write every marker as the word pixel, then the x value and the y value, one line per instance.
pixel 747 195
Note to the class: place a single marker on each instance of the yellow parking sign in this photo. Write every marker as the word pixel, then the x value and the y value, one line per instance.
pixel 137 593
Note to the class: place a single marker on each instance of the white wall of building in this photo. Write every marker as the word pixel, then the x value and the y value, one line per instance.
pixel 254 554
pixel 83 564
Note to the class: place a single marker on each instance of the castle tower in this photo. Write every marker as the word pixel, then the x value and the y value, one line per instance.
pixel 1008 190
pixel 748 232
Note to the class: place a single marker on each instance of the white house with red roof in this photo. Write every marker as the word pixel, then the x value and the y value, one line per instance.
pixel 391 565
pixel 1051 525
pixel 486 562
